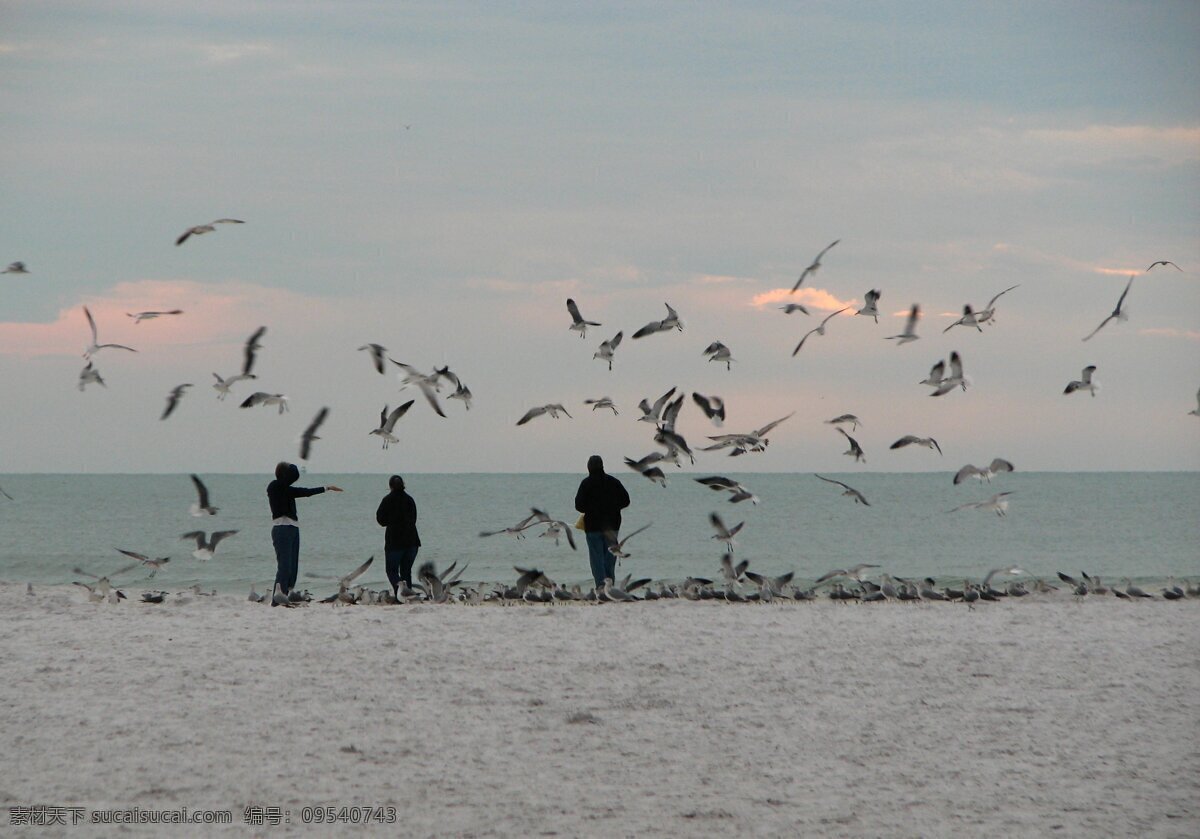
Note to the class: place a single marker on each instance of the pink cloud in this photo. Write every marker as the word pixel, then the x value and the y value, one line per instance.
pixel 817 298
pixel 212 313
pixel 1168 332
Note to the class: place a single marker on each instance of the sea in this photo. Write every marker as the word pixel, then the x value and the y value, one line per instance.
pixel 1141 525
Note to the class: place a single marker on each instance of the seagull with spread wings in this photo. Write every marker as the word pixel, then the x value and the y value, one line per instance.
pixel 201 506
pixel 910 327
pixel 578 324
pixel 1084 382
pixel 206 545
pixel 173 400
pixel 607 348
pixel 913 440
pixel 1118 314
pixel 147 562
pixel 96 346
pixel 814 267
pixel 870 309
pixel 138 317
pixel 201 229
pixel 671 321
pixel 310 434
pixel 552 409
pixel 819 329
pixel 849 491
pixel 387 423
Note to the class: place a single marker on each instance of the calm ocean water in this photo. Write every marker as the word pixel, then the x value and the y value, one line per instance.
pixel 1141 525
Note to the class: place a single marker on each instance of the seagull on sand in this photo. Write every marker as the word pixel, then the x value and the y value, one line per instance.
pixel 607 348
pixel 814 267
pixel 103 589
pixel 387 423
pixel 855 449
pixel 855 572
pixel 1152 265
pixel 201 506
pixel 261 398
pixel 869 309
pixel 343 593
pixel 671 321
pixel 998 504
pixel 378 354
pixel 718 352
pixel 552 409
pixel 819 329
pixel 173 399
pixel 15 268
pixel 712 406
pixel 1084 382
pixel 985 473
pixel 1118 314
pixel 147 562
pixel 912 440
pixel 138 317
pixel 310 434
pixel 956 379
pixel 201 229
pixel 723 533
pixel 854 421
pixel 602 402
pixel 578 324
pixel 96 346
pixel 206 546
pixel 910 328
pixel 849 491
pixel 90 376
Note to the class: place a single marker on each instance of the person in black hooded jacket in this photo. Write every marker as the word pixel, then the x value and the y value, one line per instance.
pixel 398 513
pixel 285 530
pixel 601 498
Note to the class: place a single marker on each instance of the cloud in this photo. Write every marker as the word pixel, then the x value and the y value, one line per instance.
pixel 228 53
pixel 1042 257
pixel 1103 143
pixel 816 298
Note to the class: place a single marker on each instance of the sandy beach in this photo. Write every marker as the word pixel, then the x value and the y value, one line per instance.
pixel 1037 717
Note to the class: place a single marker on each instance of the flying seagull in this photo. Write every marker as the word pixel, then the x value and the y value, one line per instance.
pixel 671 321
pixel 1152 265
pixel 855 449
pixel 147 562
pixel 602 402
pixel 201 229
pixel 261 398
pixel 988 313
pixel 985 473
pixel 712 406
pixel 617 548
pixel 173 400
pixel 15 268
pixel 850 418
pixel 222 386
pixel 819 329
pixel 378 354
pixel 718 352
pixel 849 491
pixel 428 384
pixel 310 434
pixel 855 572
pixel 387 423
pixel 138 317
pixel 552 409
pixel 652 413
pixel 607 348
pixel 946 384
pixel 869 308
pixel 206 546
pixel 1084 382
pixel 1118 314
pixel 910 328
pixel 90 376
pixel 814 267
pixel 912 440
pixel 201 506
pixel 96 346
pixel 793 307
pixel 723 533
pixel 250 351
pixel 647 467
pixel 578 324
pixel 998 504
pixel 969 318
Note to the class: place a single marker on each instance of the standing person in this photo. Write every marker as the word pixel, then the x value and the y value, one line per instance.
pixel 285 530
pixel 398 513
pixel 601 498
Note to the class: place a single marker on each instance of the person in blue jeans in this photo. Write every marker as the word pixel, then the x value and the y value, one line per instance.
pixel 285 526
pixel 398 513
pixel 601 498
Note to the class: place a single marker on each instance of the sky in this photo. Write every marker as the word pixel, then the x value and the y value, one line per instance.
pixel 440 177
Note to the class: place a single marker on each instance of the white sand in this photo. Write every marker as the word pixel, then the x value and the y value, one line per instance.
pixel 1026 718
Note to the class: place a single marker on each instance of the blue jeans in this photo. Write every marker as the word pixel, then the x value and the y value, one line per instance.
pixel 604 564
pixel 399 565
pixel 286 540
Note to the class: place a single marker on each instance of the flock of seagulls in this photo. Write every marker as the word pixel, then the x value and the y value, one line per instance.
pixel 672 447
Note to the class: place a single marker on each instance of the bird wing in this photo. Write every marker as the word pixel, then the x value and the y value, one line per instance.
pixel 201 491
pixel 1086 375
pixel 1121 299
pixel 134 555
pixel 400 411
pixel 832 316
pixel 956 369
pixel 91 323
pixel 766 429
pixel 906 440
pixel 215 539
pixel 992 302
pixel 649 329
pixel 574 310
pixel 616 341
pixel 250 349
pixel 832 481
pixel 531 413
pixel 346 580
pixel 1103 323
pixel 999 464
